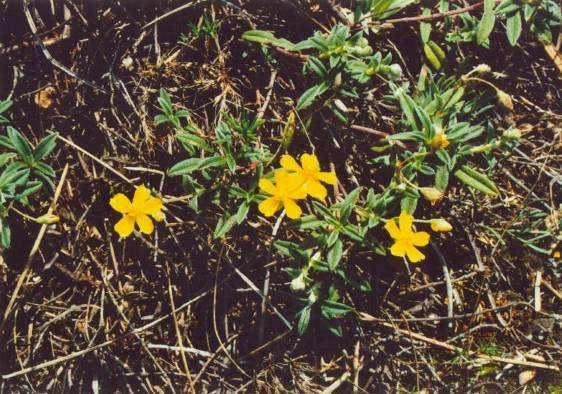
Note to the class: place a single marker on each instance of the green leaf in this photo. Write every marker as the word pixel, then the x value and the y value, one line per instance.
pixel 310 95
pixel 45 169
pixel 485 27
pixel 309 222
pixel 20 144
pixel 267 38
pixel 304 319
pixel 5 234
pixel 442 178
pixel 489 5
pixel 477 180
pixel 189 165
pixel 425 28
pixel 335 254
pixel 30 188
pixel 291 249
pixel 5 157
pixel 188 139
pixel 224 225
pixel 513 27
pixel 4 105
pixel 45 146
pixel 335 309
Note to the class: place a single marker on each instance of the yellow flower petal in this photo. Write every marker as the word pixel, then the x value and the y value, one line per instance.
pixel 269 206
pixel 392 229
pixel 292 209
pixel 288 162
pixel 158 216
pixel 414 255
pixel 398 249
pixel 310 162
pixel 121 203
pixel 421 238
pixel 152 206
pixel 142 193
pixel 267 186
pixel 328 177
pixel 125 226
pixel 405 220
pixel 316 190
pixel 280 175
pixel 292 185
pixel 145 224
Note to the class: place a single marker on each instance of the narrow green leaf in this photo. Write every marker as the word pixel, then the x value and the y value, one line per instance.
pixel 267 38
pixel 485 27
pixel 189 165
pixel 425 28
pixel 45 146
pixel 5 234
pixel 442 178
pixel 335 254
pixel 477 180
pixel 310 95
pixel 20 144
pixel 304 319
pixel 513 26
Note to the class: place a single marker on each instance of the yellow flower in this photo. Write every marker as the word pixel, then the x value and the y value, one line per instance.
pixel 439 141
pixel 405 240
pixel 287 189
pixel 138 211
pixel 309 172
pixel 440 225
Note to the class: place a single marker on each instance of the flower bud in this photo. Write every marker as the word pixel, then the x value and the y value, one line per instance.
pixel 482 69
pixel 362 50
pixel 431 194
pixel 512 134
pixel 440 225
pixel 394 71
pixel 504 100
pixel 47 218
pixel 298 284
pixel 481 148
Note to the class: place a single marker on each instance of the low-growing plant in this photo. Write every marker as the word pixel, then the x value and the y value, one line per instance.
pixel 337 59
pixel 233 152
pixel 23 172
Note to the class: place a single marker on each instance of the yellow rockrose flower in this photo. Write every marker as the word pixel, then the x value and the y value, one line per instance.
pixel 310 173
pixel 286 189
pixel 406 240
pixel 137 212
pixel 439 141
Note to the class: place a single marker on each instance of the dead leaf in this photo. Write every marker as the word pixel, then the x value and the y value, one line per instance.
pixel 526 376
pixel 44 98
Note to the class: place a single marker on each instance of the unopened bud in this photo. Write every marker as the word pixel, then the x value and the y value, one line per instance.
pixel 47 218
pixel 431 194
pixel 394 71
pixel 504 100
pixel 440 225
pixel 482 69
pixel 512 134
pixel 298 284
